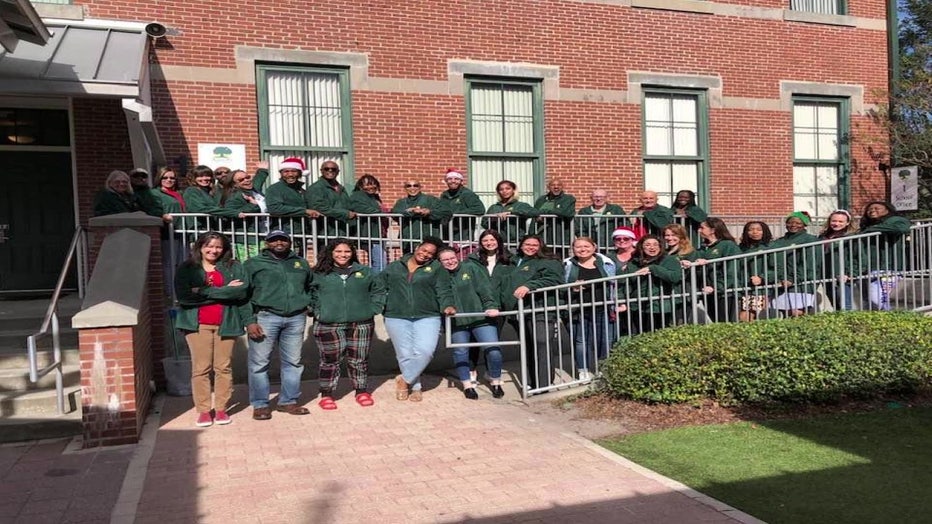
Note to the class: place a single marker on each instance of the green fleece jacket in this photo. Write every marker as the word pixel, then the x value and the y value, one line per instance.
pixel 799 266
pixel 889 252
pixel 557 211
pixel 279 286
pixel 665 275
pixel 192 292
pixel 472 293
pixel 286 200
pixel 149 202
pixel 416 227
pixel 356 297
pixel 499 274
pixel 656 218
pixel 514 227
pixel 198 200
pixel 757 265
pixel 424 293
pixel 333 203
pixel 463 202
pixel 599 227
pixel 108 202
pixel 366 204
pixel 535 273
pixel 718 275
pixel 169 205
pixel 691 218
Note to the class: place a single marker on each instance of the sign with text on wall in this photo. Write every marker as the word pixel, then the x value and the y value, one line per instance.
pixel 213 156
pixel 904 188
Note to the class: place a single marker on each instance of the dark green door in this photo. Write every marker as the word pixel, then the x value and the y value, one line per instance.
pixel 36 219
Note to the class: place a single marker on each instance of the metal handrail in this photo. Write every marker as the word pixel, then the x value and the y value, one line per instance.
pixel 76 251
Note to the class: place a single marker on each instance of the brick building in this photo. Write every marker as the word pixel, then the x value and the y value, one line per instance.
pixel 758 105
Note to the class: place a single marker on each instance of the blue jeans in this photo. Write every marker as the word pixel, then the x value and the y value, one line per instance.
pixel 376 256
pixel 415 340
pixel 288 332
pixel 591 338
pixel 486 333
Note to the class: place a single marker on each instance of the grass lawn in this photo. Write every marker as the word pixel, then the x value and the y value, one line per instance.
pixel 864 467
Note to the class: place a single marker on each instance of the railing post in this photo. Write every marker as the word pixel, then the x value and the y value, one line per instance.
pixel 522 350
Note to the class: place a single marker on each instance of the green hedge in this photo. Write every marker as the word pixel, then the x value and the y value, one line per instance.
pixel 821 357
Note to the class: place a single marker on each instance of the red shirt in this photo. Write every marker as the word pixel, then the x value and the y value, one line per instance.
pixel 211 315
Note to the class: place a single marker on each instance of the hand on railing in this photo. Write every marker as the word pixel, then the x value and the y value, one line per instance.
pixel 449 310
pixel 313 213
pixel 491 312
pixel 521 292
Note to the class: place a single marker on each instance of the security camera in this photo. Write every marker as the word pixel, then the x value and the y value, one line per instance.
pixel 156 30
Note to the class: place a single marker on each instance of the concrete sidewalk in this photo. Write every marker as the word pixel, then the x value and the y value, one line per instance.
pixel 446 459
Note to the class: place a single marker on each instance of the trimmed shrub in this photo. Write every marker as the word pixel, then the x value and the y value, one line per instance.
pixel 819 358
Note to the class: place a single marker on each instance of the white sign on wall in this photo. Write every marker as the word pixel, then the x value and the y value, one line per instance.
pixel 904 188
pixel 213 156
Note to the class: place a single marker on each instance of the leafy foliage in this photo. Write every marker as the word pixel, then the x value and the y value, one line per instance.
pixel 818 358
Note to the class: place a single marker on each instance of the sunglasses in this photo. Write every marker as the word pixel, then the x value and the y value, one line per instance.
pixel 330 169
pixel 139 175
pixel 168 178
pixel 412 185
pixel 623 239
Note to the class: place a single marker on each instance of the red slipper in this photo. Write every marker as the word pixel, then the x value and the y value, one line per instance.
pixel 364 400
pixel 327 404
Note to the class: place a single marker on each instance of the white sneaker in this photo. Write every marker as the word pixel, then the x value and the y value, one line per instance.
pixel 474 378
pixel 584 374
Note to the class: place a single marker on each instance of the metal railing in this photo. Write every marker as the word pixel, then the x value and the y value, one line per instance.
pixel 77 253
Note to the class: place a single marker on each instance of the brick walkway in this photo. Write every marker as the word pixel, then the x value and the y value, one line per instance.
pixel 445 460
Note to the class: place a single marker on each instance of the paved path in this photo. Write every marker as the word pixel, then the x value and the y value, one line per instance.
pixel 445 460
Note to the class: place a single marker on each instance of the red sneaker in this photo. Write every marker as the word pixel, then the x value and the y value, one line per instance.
pixel 204 420
pixel 222 418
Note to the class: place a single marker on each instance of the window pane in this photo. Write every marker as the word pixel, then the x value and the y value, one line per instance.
pixel 804 115
pixel 324 107
pixel 685 141
pixel 487 118
pixel 519 119
pixel 658 178
pixel 685 176
pixel 826 179
pixel 657 108
pixel 684 110
pixel 828 7
pixel 804 145
pixel 658 139
pixel 828 145
pixel 804 180
pixel 286 109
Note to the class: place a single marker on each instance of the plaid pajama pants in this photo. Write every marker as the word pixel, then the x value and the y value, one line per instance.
pixel 343 340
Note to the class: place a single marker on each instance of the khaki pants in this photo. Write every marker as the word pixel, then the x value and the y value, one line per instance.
pixel 210 352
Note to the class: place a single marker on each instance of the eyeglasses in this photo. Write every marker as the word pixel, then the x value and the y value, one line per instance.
pixel 623 239
pixel 139 175
pixel 330 169
pixel 412 185
pixel 168 178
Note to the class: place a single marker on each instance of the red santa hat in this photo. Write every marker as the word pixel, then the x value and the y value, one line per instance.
pixel 453 173
pixel 292 163
pixel 625 232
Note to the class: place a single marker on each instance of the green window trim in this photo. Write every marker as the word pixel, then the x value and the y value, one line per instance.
pixel 701 159
pixel 345 150
pixel 536 155
pixel 843 162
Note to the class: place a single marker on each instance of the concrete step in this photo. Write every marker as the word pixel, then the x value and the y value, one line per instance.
pixel 18 359
pixel 19 428
pixel 38 402
pixel 18 379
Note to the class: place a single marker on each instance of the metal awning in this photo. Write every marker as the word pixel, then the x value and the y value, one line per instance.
pixel 20 22
pixel 79 60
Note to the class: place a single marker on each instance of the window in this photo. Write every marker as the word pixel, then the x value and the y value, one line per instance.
pixel 305 112
pixel 505 137
pixel 675 143
pixel 825 7
pixel 820 155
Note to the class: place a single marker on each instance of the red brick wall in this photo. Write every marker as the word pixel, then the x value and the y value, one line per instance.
pixel 101 145
pixel 399 136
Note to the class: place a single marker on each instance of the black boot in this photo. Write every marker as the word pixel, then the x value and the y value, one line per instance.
pixel 471 394
pixel 497 391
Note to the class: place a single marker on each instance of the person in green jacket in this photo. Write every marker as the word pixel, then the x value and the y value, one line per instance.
pixel 461 201
pixel 211 287
pixel 650 217
pixel 535 268
pixel 496 259
pixel 117 196
pixel 366 200
pixel 239 196
pixel 651 305
pixel 754 271
pixel 279 294
pixel 328 198
pixel 345 297
pixel 796 270
pixel 678 244
pixel 149 203
pixel 688 213
pixel 720 279
pixel 598 220
pixel 201 197
pixel 174 250
pixel 422 215
pixel 883 256
pixel 472 293
pixel 555 222
pixel 510 214
pixel 418 292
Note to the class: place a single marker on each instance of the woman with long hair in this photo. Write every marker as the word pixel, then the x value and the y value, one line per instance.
pixel 472 292
pixel 841 257
pixel 535 268
pixel 211 288
pixel 346 296
pixel 651 305
pixel 495 258
pixel 510 214
pixel 591 334
pixel 719 278
pixel 755 236
pixel 883 256
pixel 366 200
pixel 418 292
pixel 679 246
